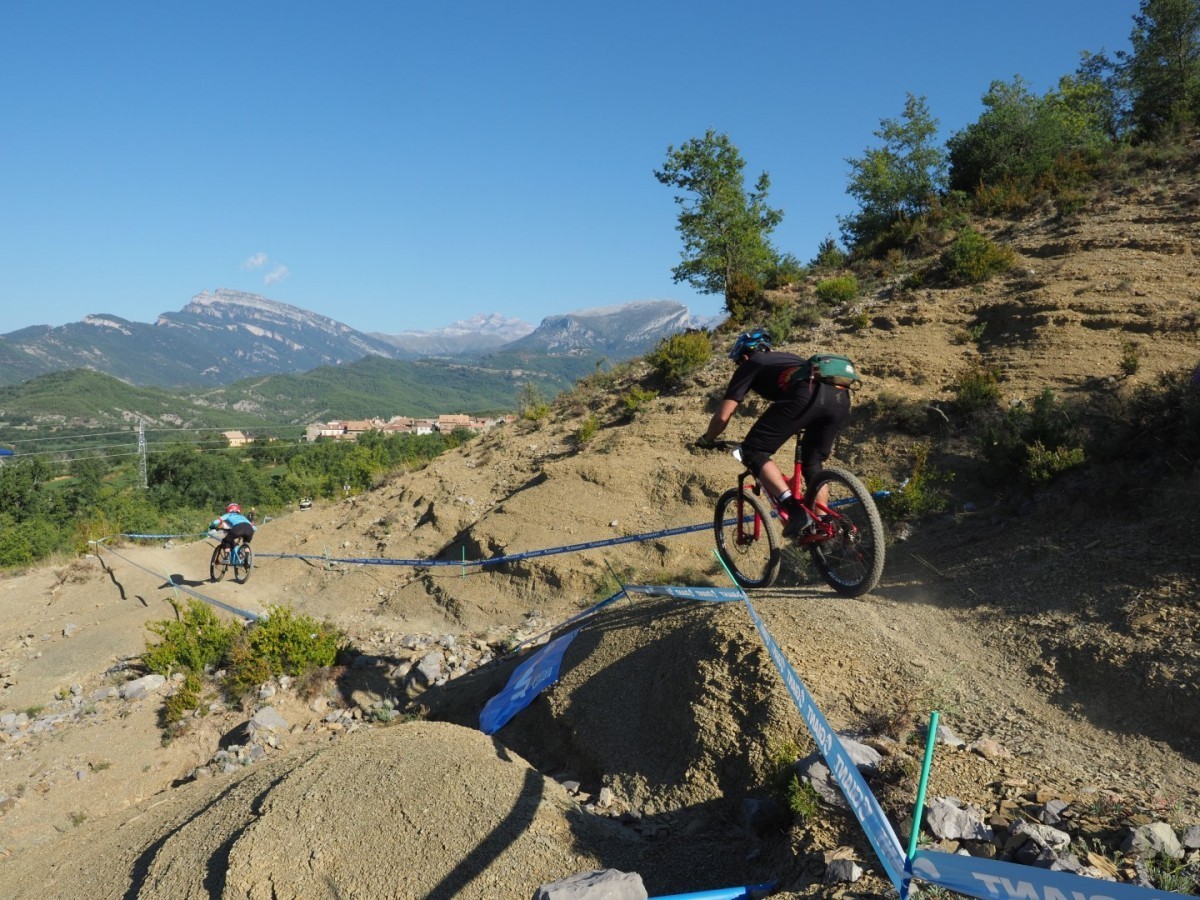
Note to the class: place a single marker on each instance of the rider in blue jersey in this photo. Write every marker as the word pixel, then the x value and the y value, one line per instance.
pixel 234 524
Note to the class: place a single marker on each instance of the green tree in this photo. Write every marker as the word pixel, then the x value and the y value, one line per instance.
pixel 1021 136
pixel 898 180
pixel 22 492
pixel 829 255
pixel 725 230
pixel 1164 66
pixel 1102 86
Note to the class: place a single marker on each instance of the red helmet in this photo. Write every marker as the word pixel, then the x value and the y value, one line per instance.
pixel 233 507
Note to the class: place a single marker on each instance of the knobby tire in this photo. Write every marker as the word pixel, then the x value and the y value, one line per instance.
pixel 851 561
pixel 219 564
pixel 752 552
pixel 241 569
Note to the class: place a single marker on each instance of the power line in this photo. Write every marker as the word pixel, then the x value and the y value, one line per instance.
pixel 66 437
pixel 131 432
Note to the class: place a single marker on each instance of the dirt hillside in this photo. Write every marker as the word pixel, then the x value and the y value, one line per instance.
pixel 1063 626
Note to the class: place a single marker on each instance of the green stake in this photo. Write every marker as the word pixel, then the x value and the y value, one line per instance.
pixel 726 568
pixel 617 580
pixel 464 562
pixel 916 826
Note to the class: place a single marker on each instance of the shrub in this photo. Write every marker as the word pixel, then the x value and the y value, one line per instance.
pixel 1160 418
pixel 531 405
pixel 633 400
pixel 743 296
pixel 1131 358
pixel 1069 202
pixel 1175 875
pixel 679 355
pixel 806 315
pixel 1042 465
pixel 976 389
pixel 974 258
pixel 860 321
pixel 282 643
pixel 802 800
pixel 1033 444
pixel 779 325
pixel 185 699
pixel 785 270
pixel 922 494
pixel 197 640
pixel 587 430
pixel 1007 197
pixel 842 289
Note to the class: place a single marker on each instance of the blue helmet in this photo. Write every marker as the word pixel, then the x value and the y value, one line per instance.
pixel 750 342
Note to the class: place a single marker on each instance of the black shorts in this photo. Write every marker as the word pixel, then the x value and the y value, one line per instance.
pixel 819 410
pixel 243 530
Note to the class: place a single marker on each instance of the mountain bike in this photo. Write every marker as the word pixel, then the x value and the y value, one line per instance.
pixel 846 543
pixel 238 557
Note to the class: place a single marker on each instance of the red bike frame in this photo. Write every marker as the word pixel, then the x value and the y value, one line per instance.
pixel 823 530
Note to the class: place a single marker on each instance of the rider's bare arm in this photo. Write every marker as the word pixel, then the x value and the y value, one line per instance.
pixel 720 419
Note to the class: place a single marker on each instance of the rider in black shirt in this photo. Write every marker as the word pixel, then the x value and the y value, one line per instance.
pixel 798 403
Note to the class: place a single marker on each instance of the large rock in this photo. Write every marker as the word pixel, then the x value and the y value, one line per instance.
pixel 604 884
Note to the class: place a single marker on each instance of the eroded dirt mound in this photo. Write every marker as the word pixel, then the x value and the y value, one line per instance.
pixel 422 810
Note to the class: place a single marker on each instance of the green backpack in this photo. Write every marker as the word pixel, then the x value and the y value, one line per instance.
pixel 833 369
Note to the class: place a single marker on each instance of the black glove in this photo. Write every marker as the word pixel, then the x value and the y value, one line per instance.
pixel 704 442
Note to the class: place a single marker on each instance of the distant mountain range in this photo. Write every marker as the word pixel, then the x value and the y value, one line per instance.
pixel 478 334
pixel 225 336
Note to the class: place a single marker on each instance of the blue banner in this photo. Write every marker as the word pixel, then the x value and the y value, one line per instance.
pixel 530 679
pixel 710 594
pixel 862 802
pixel 1010 881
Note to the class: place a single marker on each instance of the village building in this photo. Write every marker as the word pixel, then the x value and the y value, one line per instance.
pixel 349 430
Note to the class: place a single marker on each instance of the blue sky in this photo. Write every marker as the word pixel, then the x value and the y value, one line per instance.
pixel 401 165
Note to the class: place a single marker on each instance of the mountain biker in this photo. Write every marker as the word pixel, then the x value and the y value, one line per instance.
pixel 798 403
pixel 234 524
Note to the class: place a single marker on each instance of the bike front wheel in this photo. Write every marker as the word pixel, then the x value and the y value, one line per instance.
pixel 219 564
pixel 746 540
pixel 851 559
pixel 241 568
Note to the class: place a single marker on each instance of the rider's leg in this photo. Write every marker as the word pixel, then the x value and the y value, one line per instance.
pixel 783 419
pixel 769 474
pixel 826 418
pixel 766 436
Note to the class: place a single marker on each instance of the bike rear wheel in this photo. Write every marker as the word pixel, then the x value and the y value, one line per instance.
pixel 219 564
pixel 746 539
pixel 245 561
pixel 851 561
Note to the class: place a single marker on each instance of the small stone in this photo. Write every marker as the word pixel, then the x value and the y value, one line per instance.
pixel 989 749
pixel 1155 839
pixel 842 871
